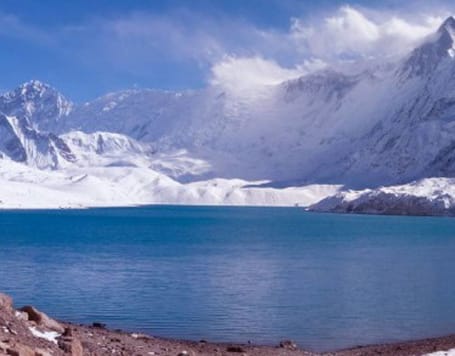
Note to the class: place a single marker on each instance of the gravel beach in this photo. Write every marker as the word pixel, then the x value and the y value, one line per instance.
pixel 30 332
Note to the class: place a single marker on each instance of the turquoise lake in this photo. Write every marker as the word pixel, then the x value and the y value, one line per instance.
pixel 325 281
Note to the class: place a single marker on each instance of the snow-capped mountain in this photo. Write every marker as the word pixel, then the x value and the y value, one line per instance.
pixel 414 136
pixel 389 124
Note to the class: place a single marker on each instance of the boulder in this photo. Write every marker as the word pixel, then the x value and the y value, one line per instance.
pixel 238 349
pixel 99 325
pixel 68 332
pixel 42 319
pixel 71 345
pixel 288 345
pixel 6 302
pixel 20 315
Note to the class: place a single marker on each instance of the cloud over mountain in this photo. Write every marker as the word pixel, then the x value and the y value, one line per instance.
pixel 187 47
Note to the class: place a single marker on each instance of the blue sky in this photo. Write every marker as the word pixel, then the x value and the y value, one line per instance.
pixel 86 48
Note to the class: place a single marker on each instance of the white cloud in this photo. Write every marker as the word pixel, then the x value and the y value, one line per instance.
pixel 351 33
pixel 397 27
pixel 232 51
pixel 239 74
pixel 353 27
pixel 346 35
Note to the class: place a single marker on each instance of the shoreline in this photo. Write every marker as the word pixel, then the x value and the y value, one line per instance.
pixel 424 346
pixel 30 332
pixel 170 346
pixel 410 347
pixel 302 208
pixel 221 206
pixel 152 205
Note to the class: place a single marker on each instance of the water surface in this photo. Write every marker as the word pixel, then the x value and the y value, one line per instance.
pixel 236 274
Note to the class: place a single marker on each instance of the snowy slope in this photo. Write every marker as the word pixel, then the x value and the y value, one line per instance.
pixel 25 187
pixel 105 149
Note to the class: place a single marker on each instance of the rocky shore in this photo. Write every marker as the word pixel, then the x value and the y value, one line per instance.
pixel 30 332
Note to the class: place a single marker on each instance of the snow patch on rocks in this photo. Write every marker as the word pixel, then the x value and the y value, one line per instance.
pixel 46 335
pixel 431 196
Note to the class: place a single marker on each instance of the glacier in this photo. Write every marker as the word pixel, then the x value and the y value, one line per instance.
pixel 332 140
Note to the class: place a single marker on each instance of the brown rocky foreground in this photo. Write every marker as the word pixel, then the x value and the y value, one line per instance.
pixel 29 332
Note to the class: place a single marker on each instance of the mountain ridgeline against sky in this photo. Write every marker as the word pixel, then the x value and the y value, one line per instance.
pixel 389 124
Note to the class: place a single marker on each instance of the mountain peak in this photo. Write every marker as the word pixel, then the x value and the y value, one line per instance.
pixel 35 83
pixel 446 34
pixel 448 25
pixel 424 59
pixel 33 86
pixel 39 102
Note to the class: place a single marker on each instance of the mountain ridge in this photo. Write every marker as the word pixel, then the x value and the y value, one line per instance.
pixel 386 125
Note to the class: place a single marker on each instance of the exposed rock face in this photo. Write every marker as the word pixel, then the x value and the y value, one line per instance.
pixel 22 143
pixel 434 196
pixel 42 319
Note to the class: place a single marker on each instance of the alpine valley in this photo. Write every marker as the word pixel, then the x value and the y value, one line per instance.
pixel 381 140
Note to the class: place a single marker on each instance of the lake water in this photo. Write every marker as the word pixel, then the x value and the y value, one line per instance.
pixel 236 274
